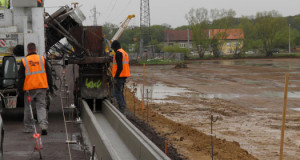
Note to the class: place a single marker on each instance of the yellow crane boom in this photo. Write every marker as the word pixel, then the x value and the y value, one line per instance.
pixel 122 27
pixel 117 35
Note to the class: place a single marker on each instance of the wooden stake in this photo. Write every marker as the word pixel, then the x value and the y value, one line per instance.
pixel 147 91
pixel 134 104
pixel 143 104
pixel 284 113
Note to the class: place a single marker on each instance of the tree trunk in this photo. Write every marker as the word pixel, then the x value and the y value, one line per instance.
pixel 269 53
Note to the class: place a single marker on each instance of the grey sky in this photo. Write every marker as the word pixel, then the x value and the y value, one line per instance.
pixel 173 11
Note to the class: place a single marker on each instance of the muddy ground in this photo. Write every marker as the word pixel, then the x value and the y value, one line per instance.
pixel 245 95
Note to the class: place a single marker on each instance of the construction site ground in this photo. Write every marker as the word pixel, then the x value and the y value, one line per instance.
pixel 245 96
pixel 19 145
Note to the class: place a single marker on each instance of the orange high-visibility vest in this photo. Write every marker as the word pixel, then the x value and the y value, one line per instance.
pixel 125 61
pixel 41 2
pixel 35 72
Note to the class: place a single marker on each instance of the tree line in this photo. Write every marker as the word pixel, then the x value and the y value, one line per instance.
pixel 263 32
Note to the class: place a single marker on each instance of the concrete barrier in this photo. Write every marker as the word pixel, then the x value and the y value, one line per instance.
pixel 115 137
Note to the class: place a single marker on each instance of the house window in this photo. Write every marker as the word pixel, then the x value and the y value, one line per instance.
pixel 237 43
pixel 182 45
pixel 228 51
pixel 131 47
pixel 228 44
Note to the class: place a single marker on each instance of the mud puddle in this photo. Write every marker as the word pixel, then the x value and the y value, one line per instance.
pixel 295 109
pixel 281 94
pixel 158 92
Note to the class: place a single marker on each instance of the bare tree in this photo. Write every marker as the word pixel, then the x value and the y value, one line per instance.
pixel 238 47
pixel 198 20
pixel 204 38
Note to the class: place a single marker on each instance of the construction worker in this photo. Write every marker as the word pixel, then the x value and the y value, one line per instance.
pixel 40 3
pixel 2 3
pixel 120 72
pixel 35 78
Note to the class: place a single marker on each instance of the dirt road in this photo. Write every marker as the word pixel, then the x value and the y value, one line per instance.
pixel 245 95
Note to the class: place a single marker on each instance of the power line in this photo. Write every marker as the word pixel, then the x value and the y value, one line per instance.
pixel 107 9
pixel 122 11
pixel 109 4
pixel 109 15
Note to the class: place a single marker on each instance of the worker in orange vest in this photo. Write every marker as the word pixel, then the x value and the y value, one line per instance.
pixel 120 72
pixel 35 78
pixel 40 3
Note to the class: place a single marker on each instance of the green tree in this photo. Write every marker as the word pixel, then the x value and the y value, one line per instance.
pixel 157 32
pixel 157 35
pixel 128 36
pixel 281 39
pixel 250 35
pixel 108 30
pixel 297 41
pixel 268 24
pixel 184 27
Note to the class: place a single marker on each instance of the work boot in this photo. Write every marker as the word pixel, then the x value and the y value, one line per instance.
pixel 44 132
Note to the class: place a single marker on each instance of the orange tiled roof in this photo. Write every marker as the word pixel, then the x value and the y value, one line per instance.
pixel 182 35
pixel 231 34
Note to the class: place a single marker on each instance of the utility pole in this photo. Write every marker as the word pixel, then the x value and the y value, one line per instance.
pixel 289 38
pixel 144 25
pixel 95 14
pixel 188 36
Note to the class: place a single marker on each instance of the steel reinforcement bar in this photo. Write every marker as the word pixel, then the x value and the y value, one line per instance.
pixel 115 137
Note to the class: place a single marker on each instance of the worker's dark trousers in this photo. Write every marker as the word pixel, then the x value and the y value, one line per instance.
pixel 119 92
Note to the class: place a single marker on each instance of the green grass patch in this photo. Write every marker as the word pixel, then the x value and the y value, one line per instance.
pixel 287 55
pixel 245 56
